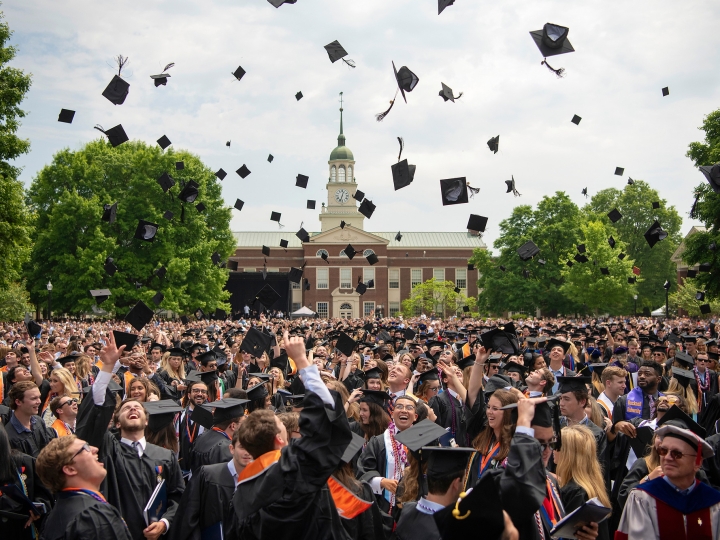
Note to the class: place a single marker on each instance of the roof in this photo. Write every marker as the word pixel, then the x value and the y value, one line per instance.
pixel 409 239
pixel 677 256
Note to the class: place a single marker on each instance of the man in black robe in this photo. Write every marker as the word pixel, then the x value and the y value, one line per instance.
pixel 213 446
pixel 189 430
pixel 206 505
pixel 81 511
pixel 283 494
pixel 135 467
pixel 450 406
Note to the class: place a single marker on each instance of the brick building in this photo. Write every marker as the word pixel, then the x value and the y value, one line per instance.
pixel 330 286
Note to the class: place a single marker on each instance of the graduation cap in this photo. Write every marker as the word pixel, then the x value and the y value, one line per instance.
pixel 33 328
pixel 116 135
pixel 373 373
pixel 100 295
pixel 361 288
pixel 109 266
pixel 221 174
pixel 511 186
pixel 303 235
pixel 243 171
pixel 632 280
pixel 259 391
pixel 421 435
pixel 552 40
pixel 301 181
pixel 345 344
pixel 72 357
pixel 499 340
pixel 683 376
pixel 705 309
pixel 66 116
pixel 353 447
pixel 477 223
pixel 215 258
pixel 109 212
pixel 161 78
pixel 267 296
pixel 611 241
pixel 239 73
pixel 163 142
pixel 704 267
pixel 454 191
pixel 656 205
pixel 350 251
pixel 570 263
pixel 358 195
pixel 398 237
pixel 190 192
pixel 581 248
pixel 295 275
pixel 256 342
pixel 712 174
pixel 367 208
pixel 118 89
pixel 200 207
pixel 605 271
pixel 528 250
pixel 281 362
pixel 614 215
pixel 666 91
pixel 700 296
pixel 275 216
pixel 585 192
pixel 654 234
pixel 554 342
pixel 161 413
pixel 227 409
pixel 494 144
pixel 372 259
pixel 139 315
pixel 379 397
pixel 124 338
pixel 442 4
pixel 311 205
pixel 298 96
pixel 166 181
pixel 158 298
pixel 573 384
pixel 278 3
pixel 336 52
pixel 447 94
pixel 576 119
pixel 403 174
pixel 146 230
pixel 168 215
pixel 406 81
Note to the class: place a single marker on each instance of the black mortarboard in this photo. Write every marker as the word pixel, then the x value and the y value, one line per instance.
pixel 654 234
pixel 581 248
pixel 190 192
pixel 275 216
pixel 528 250
pixel 201 415
pixel 570 263
pixel 406 80
pixel 409 334
pixel 621 256
pixel 702 267
pixel 353 447
pixel 166 181
pixel 164 142
pixel 124 338
pixel 684 358
pixel 514 367
pixel 259 391
pixel 215 258
pixel 161 78
pixel 442 4
pixel 109 212
pixel 379 397
pixel 100 295
pixel 423 434
pixel 335 51
pixel 619 171
pixel 310 205
pixel 611 241
pixel 158 298
pixel 109 266
pixel 403 174
pixel 117 90
pixel 712 174
pixel 430 375
pixel 161 413
pixel 443 461
pixel 139 316
pixel 705 309
pixel 499 340
pixel 232 265
pixel 284 243
pixel 576 119
pixel 303 235
pixel 605 271
pixel 146 230
pixel 558 343
pixel 168 215
pixel 656 205
pixel 256 342
pixel 116 135
pixel 239 73
pixel 552 40
pixel 281 362
pixel 366 208
pixel 295 275
pixel 447 94
pixel 200 207
pixel 221 174
pixel 227 409
pixel 243 171
pixel 477 223
pixel 454 191
pixel 372 259
pixel 632 279
pixel 301 181
pixel 66 116
pixel 324 256
pixel 511 186
pixel 666 91
pixel 72 357
pixel 573 384
pixel 361 288
pixel 683 376
pixel 345 344
pixel 239 204
pixel 358 195
pixel 350 251
pixel 614 215
pixel 267 296
pixel 270 158
pixel 33 328
pixel 700 296
pixel 298 96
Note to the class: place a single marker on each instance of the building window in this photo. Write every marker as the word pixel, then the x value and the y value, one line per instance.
pixel 295 286
pixel 394 309
pixel 249 269
pixel 320 253
pixel 439 274
pixel 296 306
pixel 333 173
pixel 368 308
pixel 368 252
pixel 369 274
pixel 341 174
pixel 273 269
pixel 322 309
pixel 345 307
pixel 346 278
pixel 343 254
pixel 461 278
pixel 415 276
pixel 393 278
pixel 322 278
pixel 350 174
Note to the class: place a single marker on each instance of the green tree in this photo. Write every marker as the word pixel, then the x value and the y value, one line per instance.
pixel 433 296
pixel 585 282
pixel 554 227
pixel 15 220
pixel 635 204
pixel 684 298
pixel 71 241
pixel 14 302
pixel 698 247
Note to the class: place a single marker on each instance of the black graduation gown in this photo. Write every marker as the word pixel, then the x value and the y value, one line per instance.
pixel 211 447
pixel 573 497
pixel 32 442
pixel 188 433
pixel 443 406
pixel 373 463
pixel 131 479
pixel 416 525
pixel 290 500
pixel 15 528
pixel 206 501
pixel 78 516
pixel 711 465
pixel 369 524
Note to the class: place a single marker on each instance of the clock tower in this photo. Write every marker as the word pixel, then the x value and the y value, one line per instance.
pixel 341 187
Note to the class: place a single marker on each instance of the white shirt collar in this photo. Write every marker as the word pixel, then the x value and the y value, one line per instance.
pixel 233 471
pixel 428 507
pixel 453 393
pixel 142 442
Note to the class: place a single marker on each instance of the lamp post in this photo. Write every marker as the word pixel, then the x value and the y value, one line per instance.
pixel 635 308
pixel 666 286
pixel 49 288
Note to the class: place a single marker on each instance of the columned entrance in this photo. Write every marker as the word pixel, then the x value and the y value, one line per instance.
pixel 346 311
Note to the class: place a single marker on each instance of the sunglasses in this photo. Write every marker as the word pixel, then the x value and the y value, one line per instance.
pixel 552 445
pixel 675 454
pixel 69 402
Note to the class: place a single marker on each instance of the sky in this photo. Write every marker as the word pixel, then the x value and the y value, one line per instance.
pixel 625 53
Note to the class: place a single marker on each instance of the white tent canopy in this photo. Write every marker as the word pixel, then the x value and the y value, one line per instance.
pixel 303 312
pixel 659 312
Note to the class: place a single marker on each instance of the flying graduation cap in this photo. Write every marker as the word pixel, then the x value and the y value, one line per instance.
pixel 221 174
pixel 118 89
pixel 298 96
pixel 146 230
pixel 66 116
pixel 243 171
pixel 655 233
pixel 511 187
pixel 166 181
pixel 109 212
pixel 666 91
pixel 161 79
pixel 164 142
pixel 301 181
pixel 494 144
pixel 109 266
pixel 406 81
pixel 275 216
pixel 476 224
pixel 403 174
pixel 442 4
pixel 278 3
pixel 712 174
pixel 584 192
pixel 336 52
pixel 239 73
pixel 455 191
pixel 116 135
pixel 447 94
pixel 576 119
pixel 528 250
pixel 139 316
pixel 614 215
pixel 100 295
pixel 552 40
pixel 367 208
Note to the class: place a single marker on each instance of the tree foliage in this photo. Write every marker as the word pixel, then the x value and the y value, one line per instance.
pixel 15 220
pixel 585 282
pixel 71 241
pixel 433 296
pixel 698 247
pixel 684 298
pixel 14 302
pixel 635 204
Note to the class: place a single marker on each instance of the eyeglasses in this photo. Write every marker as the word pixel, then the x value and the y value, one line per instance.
pixel 404 407
pixel 434 388
pixel 69 402
pixel 675 454
pixel 85 448
pixel 544 446
pixel 196 391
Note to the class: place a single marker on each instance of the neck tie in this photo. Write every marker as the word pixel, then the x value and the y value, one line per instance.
pixel 136 447
pixel 651 401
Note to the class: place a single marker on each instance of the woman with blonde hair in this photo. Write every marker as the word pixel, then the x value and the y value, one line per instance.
pixel 277 383
pixel 61 383
pixel 680 386
pixel 141 389
pixel 83 370
pixel 579 474
pixel 351 409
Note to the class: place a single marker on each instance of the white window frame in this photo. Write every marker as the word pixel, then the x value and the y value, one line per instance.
pixel 323 307
pixel 341 174
pixel 368 252
pixel 295 286
pixel 346 282
pixel 461 278
pixel 322 278
pixel 413 278
pixel 296 306
pixel 368 274
pixel 393 278
pixel 321 251
pixel 394 309
pixel 333 173
pixel 436 272
pixel 368 308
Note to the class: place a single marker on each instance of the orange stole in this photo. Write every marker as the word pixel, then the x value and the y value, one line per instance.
pixel 59 426
pixel 347 503
pixel 129 378
pixel 258 466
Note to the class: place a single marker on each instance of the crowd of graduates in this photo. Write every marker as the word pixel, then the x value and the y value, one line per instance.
pixel 347 429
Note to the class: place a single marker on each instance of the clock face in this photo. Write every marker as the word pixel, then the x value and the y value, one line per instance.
pixel 342 196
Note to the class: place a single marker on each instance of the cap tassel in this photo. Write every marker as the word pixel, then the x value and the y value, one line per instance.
pixel 560 72
pixel 558 429
pixel 382 115
pixel 121 61
pixel 693 210
pixel 456 510
pixel 349 62
pixel 99 128
pixel 473 191
pixel 402 146
pixel 171 64
pixel 458 96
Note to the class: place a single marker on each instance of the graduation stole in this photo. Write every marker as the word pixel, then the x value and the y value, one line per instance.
pixel 94 494
pixel 551 509
pixel 129 378
pixel 61 428
pixel 48 399
pixel 634 404
pixel 260 465
pixel 347 503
